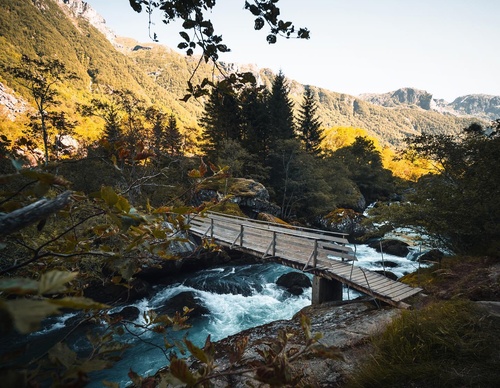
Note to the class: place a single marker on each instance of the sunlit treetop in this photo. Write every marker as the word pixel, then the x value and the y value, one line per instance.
pixel 199 32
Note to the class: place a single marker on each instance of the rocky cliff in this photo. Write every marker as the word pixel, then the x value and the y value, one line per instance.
pixel 481 106
pixel 80 8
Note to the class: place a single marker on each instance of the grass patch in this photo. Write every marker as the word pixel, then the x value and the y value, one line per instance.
pixel 446 344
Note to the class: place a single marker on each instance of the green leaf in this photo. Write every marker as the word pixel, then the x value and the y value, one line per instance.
pixel 27 313
pixel 185 36
pixel 41 188
pixel 197 353
pixel 19 286
pixel 79 303
pixel 109 196
pixel 53 282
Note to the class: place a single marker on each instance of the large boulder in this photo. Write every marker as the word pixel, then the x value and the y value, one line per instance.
pixel 251 196
pixel 111 293
pixel 294 282
pixel 129 313
pixel 345 221
pixel 391 247
pixel 184 299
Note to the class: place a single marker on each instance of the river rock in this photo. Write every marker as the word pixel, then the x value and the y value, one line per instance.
pixel 294 282
pixel 387 274
pixel 179 301
pixel 129 313
pixel 386 264
pixel 391 247
pixel 434 256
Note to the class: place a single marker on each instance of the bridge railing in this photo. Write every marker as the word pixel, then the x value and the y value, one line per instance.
pixel 271 239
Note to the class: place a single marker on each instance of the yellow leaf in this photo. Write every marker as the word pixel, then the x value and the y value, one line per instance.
pixel 27 313
pixel 53 281
pixel 78 303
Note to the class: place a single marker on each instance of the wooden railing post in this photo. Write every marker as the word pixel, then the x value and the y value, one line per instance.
pixel 211 228
pixel 274 243
pixel 241 235
pixel 315 259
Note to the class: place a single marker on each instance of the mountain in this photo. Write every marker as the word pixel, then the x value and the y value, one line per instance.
pixel 75 33
pixel 481 106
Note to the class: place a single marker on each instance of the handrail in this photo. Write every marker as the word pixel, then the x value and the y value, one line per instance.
pixel 338 238
pixel 290 227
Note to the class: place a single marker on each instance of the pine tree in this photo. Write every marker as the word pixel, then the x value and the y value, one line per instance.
pixel 173 137
pixel 309 125
pixel 281 110
pixel 221 121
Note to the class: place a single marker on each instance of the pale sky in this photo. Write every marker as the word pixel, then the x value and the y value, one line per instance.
pixel 449 48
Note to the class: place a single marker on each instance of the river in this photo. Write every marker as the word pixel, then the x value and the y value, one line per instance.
pixel 259 301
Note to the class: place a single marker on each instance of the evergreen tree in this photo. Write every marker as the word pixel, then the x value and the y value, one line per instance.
pixel 281 110
pixel 309 125
pixel 173 137
pixel 221 121
pixel 256 135
pixel 157 120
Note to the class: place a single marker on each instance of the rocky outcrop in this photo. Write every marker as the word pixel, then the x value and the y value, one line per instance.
pixel 344 325
pixel 12 105
pixel 483 106
pixel 80 8
pixel 479 105
pixel 403 96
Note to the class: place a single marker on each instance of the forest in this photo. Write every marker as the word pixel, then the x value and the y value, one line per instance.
pixel 91 176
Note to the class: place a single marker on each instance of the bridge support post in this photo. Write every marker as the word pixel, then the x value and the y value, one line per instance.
pixel 324 290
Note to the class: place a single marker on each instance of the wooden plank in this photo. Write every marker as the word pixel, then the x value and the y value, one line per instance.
pixel 407 294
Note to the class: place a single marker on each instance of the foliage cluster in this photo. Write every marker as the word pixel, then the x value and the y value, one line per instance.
pixel 458 203
pixel 259 137
pixel 447 344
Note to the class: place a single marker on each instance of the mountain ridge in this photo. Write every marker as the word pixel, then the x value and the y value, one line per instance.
pixel 158 74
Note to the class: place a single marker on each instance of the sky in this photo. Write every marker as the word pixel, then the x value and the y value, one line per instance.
pixel 449 48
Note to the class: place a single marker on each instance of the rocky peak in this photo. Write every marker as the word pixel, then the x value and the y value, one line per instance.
pixel 80 8
pixel 403 96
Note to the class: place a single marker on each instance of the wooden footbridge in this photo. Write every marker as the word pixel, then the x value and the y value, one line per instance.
pixel 325 254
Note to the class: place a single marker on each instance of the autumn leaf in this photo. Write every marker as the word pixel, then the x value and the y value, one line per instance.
pixel 53 282
pixel 27 314
pixel 79 303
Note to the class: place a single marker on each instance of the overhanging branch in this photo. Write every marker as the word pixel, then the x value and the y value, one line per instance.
pixel 37 211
